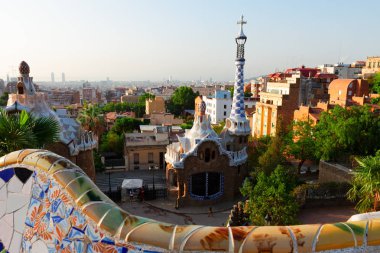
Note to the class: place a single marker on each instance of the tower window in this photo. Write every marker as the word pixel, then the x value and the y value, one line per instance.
pixel 207 155
pixel 213 155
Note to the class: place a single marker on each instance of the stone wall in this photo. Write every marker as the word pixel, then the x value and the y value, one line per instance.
pixel 331 172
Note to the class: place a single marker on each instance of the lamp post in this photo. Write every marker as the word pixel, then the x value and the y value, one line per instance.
pixel 153 168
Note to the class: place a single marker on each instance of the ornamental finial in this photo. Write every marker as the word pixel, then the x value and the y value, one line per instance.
pixel 241 22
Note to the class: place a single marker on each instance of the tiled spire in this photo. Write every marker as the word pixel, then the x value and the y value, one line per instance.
pixel 237 122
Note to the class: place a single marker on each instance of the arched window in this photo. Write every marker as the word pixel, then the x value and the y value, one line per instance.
pixel 207 155
pixel 206 185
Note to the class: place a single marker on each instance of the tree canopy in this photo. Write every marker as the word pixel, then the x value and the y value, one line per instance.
pixel 21 130
pixel 272 195
pixel 182 99
pixel 375 83
pixel 354 131
pixel 300 142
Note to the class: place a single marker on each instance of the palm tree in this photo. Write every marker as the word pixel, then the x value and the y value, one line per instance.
pixel 90 119
pixel 21 130
pixel 366 183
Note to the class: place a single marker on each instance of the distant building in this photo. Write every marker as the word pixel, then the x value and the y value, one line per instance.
pixel 218 105
pixel 111 117
pixel 52 78
pixel 91 95
pixel 343 71
pixel 63 98
pixel 347 92
pixel 156 105
pixel 63 79
pixel 144 150
pixel 164 119
pixel 130 98
pixel 372 66
pixel 207 90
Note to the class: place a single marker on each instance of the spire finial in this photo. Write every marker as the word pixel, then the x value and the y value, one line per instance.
pixel 241 22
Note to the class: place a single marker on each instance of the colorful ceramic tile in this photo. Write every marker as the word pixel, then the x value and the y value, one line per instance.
pixel 162 232
pixel 16 242
pixel 373 233
pixel 208 238
pixel 334 236
pixel 112 220
pixel 15 185
pixel 23 174
pixel 304 234
pixel 15 201
pixel 3 193
pixel 3 208
pixel 7 174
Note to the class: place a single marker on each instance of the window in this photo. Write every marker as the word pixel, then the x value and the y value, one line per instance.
pixel 207 185
pixel 225 96
pixel 225 106
pixel 224 113
pixel 207 155
pixel 136 158
pixel 136 167
pixel 213 155
pixel 150 157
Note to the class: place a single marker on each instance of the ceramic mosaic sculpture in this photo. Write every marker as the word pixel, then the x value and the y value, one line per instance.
pixel 48 204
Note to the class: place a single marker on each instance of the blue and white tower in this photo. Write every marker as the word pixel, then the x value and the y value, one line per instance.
pixel 237 125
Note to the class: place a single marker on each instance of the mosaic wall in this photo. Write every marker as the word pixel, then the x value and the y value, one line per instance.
pixel 48 204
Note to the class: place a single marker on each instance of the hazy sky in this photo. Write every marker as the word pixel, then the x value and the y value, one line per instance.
pixel 151 40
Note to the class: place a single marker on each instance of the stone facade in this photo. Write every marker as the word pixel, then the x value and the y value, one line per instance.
pixel 156 105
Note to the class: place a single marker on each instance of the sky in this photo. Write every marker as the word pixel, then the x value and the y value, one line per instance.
pixel 188 40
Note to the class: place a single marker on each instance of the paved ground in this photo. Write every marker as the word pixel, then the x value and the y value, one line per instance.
pixel 164 211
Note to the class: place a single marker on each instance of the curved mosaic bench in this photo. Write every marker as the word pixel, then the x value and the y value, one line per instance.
pixel 48 204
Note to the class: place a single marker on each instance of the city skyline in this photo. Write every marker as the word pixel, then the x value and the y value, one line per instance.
pixel 147 40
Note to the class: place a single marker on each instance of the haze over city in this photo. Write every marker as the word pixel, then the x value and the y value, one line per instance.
pixel 152 40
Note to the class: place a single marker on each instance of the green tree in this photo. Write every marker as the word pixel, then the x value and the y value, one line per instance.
pixel 301 143
pixel 273 156
pixel 126 125
pixel 353 131
pixel 112 142
pixel 181 100
pixel 146 96
pixel 91 119
pixel 4 99
pixel 366 182
pixel 272 195
pixel 21 130
pixel 375 83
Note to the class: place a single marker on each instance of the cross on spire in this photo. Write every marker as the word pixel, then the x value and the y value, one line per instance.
pixel 241 22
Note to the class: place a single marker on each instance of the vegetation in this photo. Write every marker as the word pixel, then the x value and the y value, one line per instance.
pixel 353 131
pixel 137 108
pixel 374 83
pixel 91 119
pixel 21 130
pixel 366 183
pixel 145 96
pixel 272 195
pixel 113 140
pixel 301 143
pixel 4 99
pixel 181 100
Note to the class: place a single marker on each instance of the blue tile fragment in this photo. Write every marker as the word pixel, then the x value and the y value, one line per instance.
pixel 7 174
